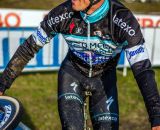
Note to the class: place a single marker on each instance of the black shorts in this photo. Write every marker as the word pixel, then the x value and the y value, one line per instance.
pixel 103 104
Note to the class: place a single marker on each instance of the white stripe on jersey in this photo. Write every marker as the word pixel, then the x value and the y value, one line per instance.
pixel 136 54
pixel 40 37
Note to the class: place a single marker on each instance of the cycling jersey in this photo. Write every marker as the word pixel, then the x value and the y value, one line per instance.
pixel 94 39
pixel 95 43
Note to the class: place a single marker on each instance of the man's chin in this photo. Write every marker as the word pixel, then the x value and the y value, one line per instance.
pixel 76 9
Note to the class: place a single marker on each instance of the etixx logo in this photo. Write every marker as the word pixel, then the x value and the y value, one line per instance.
pixel 123 25
pixel 59 18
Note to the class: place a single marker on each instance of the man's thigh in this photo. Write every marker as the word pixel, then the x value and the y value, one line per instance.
pixel 70 102
pixel 104 103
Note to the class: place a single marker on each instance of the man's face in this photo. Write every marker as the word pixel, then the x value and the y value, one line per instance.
pixel 80 5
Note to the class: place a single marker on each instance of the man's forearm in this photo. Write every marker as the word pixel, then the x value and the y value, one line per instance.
pixel 21 57
pixel 148 87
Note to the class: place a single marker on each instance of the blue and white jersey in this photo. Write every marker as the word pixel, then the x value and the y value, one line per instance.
pixel 96 51
pixel 97 38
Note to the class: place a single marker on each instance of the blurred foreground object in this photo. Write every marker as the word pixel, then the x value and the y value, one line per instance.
pixel 10 113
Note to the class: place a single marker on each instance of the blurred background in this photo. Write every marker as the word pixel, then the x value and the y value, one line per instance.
pixel 36 88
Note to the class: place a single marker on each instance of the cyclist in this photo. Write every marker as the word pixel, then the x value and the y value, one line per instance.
pixel 96 32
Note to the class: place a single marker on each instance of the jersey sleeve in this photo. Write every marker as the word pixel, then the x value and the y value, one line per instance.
pixel 138 58
pixel 53 23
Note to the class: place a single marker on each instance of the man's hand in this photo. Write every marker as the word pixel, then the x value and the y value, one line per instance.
pixel 156 128
pixel 1 93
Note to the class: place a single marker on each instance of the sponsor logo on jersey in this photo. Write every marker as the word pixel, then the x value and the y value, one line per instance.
pixel 71 96
pixel 79 30
pixel 96 58
pixel 99 48
pixel 109 103
pixel 106 117
pixel 74 85
pixel 40 37
pixel 71 26
pixel 98 33
pixel 135 52
pixel 123 25
pixel 104 49
pixel 59 18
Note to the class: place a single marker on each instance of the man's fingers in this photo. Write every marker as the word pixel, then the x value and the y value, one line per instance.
pixel 1 93
pixel 156 128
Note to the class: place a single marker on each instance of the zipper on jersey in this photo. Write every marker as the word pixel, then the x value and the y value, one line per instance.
pixel 88 43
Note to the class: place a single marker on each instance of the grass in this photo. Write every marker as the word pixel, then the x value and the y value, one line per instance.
pixel 133 115
pixel 38 94
pixel 132 111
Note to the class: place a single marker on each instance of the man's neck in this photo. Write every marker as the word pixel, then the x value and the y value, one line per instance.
pixel 95 7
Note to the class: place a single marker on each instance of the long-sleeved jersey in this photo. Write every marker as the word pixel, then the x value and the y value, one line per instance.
pixel 95 43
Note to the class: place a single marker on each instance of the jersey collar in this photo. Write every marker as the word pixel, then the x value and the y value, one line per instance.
pixel 98 14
